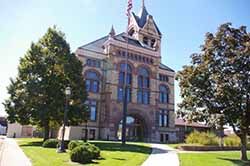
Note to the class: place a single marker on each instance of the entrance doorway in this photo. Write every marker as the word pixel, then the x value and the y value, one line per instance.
pixel 134 129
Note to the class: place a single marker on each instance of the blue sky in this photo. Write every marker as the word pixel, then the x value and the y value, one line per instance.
pixel 183 24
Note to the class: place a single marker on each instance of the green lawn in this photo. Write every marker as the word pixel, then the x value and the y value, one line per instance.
pixel 212 159
pixel 112 153
pixel 224 158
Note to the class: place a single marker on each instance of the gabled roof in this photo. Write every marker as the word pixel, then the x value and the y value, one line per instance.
pixel 141 19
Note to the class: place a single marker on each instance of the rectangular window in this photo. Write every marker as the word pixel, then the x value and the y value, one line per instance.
pixel 121 78
pixel 139 96
pixel 129 79
pixel 120 94
pixel 160 120
pixel 166 137
pixel 162 138
pixel 92 134
pixel 93 113
pixel 140 84
pixel 95 86
pixel 87 83
pixel 92 109
pixel 146 83
pixel 163 118
pixel 163 78
pixel 136 57
pixel 98 64
pixel 146 97
pixel 140 58
pixel 163 97
pixel 93 63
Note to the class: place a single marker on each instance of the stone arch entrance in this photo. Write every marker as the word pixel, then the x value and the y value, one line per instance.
pixel 136 128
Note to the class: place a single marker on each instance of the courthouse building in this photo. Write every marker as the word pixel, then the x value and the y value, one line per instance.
pixel 150 113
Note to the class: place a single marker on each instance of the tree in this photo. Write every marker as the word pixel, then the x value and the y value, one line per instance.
pixel 218 81
pixel 37 94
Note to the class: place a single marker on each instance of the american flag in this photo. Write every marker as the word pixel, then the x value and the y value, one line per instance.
pixel 130 5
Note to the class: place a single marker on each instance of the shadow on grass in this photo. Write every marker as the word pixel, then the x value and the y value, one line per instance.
pixel 121 159
pixel 34 143
pixel 236 162
pixel 116 146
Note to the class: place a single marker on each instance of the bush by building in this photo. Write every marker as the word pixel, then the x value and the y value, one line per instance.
pixel 202 138
pixel 232 140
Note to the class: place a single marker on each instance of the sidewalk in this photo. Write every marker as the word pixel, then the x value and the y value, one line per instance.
pixel 162 155
pixel 12 155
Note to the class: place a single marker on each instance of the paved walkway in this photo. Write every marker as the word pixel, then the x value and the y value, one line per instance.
pixel 12 155
pixel 162 155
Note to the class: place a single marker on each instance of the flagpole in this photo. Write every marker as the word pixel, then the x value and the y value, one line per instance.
pixel 125 87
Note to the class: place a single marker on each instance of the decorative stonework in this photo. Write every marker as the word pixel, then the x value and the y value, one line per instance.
pixel 109 50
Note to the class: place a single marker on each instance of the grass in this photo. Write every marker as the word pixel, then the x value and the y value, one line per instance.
pixel 231 158
pixel 112 153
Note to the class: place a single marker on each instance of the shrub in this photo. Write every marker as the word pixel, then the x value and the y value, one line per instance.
pixel 50 143
pixel 84 153
pixel 232 140
pixel 73 144
pixel 202 138
pixel 95 151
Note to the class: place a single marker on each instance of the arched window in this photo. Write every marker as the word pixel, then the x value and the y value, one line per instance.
pixel 143 94
pixel 92 81
pixel 122 69
pixel 163 97
pixel 131 32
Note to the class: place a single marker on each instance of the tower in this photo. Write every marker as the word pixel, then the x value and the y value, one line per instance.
pixel 143 28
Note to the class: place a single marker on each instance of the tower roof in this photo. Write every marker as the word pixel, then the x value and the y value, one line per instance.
pixel 141 19
pixel 112 31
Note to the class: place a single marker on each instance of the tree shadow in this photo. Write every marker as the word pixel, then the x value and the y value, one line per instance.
pixel 236 161
pixel 116 146
pixel 121 159
pixel 34 143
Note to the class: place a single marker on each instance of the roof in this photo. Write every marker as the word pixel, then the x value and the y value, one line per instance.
pixel 181 122
pixel 141 19
pixel 97 45
pixel 164 67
